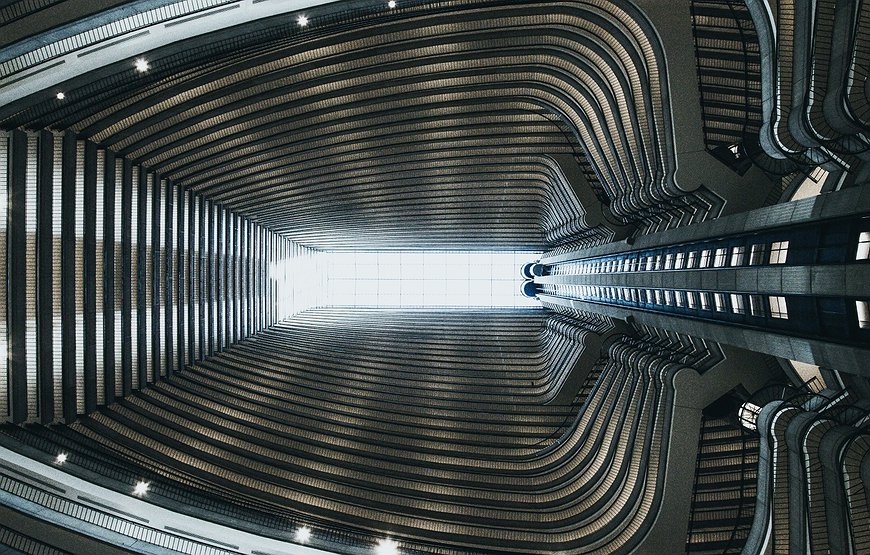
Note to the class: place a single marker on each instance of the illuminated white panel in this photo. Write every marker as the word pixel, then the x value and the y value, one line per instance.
pixel 234 276
pixel 173 310
pixel 243 282
pixel 57 325
pixel 293 251
pixel 4 341
pixel 862 308
pixel 185 208
pixel 134 269
pixel 863 251
pixel 80 276
pixel 221 291
pixel 296 276
pixel 249 277
pixel 195 265
pixel 229 254
pixel 213 268
pixel 149 274
pixel 275 278
pixel 30 209
pixel 98 276
pixel 116 221
pixel 266 257
pixel 161 241
pixel 255 279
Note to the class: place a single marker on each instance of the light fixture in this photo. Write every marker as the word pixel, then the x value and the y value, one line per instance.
pixel 61 457
pixel 141 488
pixel 142 65
pixel 303 534
pixel 302 21
pixel 391 4
pixel 387 546
pixel 60 96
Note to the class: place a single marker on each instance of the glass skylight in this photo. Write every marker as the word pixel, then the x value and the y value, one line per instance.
pixel 425 278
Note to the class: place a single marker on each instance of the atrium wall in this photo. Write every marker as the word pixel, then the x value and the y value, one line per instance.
pixel 117 277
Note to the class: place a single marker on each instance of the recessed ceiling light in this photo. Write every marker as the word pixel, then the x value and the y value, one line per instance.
pixel 61 457
pixel 60 96
pixel 303 534
pixel 141 488
pixel 387 547
pixel 142 65
pixel 302 21
pixel 391 4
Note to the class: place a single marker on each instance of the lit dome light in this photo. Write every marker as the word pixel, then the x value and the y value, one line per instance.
pixel 387 547
pixel 142 65
pixel 391 4
pixel 303 534
pixel 302 21
pixel 140 489
pixel 61 457
pixel 61 96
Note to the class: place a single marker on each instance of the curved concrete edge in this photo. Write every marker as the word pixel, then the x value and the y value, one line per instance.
pixel 694 168
pixel 667 533
pixel 593 347
pixel 692 392
pixel 832 447
pixel 55 481
pixel 126 47
pixel 759 539
pixel 595 214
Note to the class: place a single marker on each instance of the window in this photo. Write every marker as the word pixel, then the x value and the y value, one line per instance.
pixel 691 299
pixel 756 255
pixel 705 300
pixel 649 297
pixel 669 262
pixel 738 306
pixel 778 308
pixel 778 252
pixel 658 262
pixel 705 258
pixel 863 308
pixel 863 246
pixel 737 255
pixel 658 296
pixel 680 262
pixel 693 260
pixel 680 298
pixel 756 305
pixel 719 299
pixel 748 415
pixel 721 256
pixel 669 297
pixel 649 263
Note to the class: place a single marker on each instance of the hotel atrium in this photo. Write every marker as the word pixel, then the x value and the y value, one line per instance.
pixel 375 277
